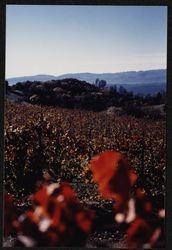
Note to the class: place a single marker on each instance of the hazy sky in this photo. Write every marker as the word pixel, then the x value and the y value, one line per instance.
pixel 69 39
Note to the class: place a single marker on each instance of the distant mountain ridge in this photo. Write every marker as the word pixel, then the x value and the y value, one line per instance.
pixel 43 78
pixel 148 81
pixel 128 77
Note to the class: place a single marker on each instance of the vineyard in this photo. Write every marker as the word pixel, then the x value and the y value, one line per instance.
pixel 56 145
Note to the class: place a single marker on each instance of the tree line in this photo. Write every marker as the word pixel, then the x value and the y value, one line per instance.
pixel 73 93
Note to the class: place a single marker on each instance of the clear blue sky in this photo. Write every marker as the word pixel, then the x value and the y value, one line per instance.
pixel 70 39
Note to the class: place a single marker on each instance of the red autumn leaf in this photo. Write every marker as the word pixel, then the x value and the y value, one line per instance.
pixel 58 218
pixel 67 192
pixel 83 222
pixel 41 197
pixel 114 176
pixel 139 233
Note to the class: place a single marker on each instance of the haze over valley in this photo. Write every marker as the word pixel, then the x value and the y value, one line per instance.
pixel 145 82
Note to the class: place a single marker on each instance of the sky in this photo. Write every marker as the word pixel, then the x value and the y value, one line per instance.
pixel 57 40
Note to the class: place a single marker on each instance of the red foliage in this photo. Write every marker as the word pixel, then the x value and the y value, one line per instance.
pixel 138 233
pixel 58 219
pixel 114 176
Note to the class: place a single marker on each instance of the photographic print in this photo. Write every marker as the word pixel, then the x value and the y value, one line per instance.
pixel 85 126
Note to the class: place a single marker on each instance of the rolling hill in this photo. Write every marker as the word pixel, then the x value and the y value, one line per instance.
pixel 144 82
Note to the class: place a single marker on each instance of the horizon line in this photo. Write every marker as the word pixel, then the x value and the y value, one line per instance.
pixel 46 74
